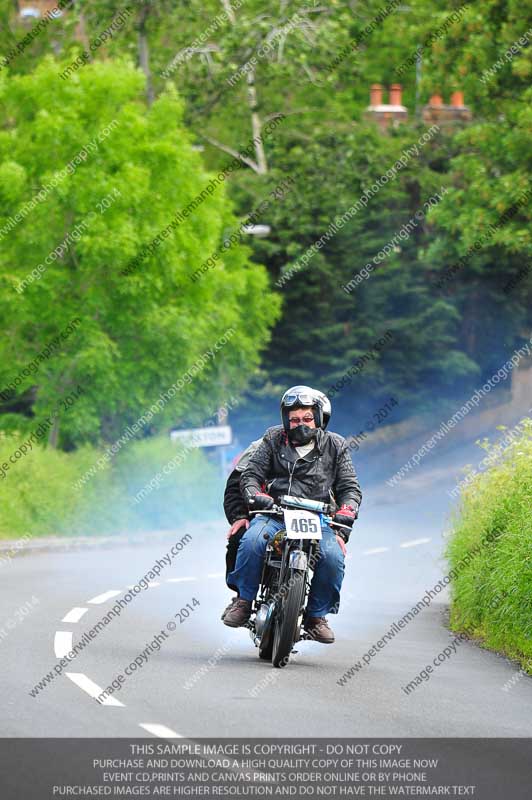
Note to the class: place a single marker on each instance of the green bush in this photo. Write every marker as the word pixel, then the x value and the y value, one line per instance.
pixel 39 497
pixel 492 595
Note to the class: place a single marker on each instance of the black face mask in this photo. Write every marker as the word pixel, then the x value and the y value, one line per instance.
pixel 302 434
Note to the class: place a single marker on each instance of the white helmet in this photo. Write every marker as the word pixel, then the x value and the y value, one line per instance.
pixel 299 396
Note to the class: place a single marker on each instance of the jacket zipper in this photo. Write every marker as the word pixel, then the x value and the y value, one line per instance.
pixel 291 473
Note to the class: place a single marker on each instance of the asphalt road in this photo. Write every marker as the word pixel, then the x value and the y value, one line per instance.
pixel 395 555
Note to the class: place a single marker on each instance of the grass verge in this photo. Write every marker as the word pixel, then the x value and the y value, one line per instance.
pixel 492 596
pixel 40 493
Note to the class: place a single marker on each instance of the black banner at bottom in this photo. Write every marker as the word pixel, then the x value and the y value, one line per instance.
pixel 485 769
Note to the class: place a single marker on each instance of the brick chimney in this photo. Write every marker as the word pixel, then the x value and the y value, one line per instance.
pixel 375 95
pixel 386 114
pixel 396 91
pixel 457 100
pixel 437 112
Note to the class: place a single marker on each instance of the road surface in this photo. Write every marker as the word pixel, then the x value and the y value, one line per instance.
pixel 49 599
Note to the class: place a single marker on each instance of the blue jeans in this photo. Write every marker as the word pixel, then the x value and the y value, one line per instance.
pixel 324 596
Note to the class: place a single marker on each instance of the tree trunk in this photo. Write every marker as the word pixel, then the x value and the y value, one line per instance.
pixel 256 124
pixel 144 55
pixel 229 11
pixel 81 31
pixel 53 438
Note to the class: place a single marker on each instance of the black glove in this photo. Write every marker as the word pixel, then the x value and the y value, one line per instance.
pixel 261 502
pixel 345 515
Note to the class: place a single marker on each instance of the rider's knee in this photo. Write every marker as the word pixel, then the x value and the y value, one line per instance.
pixel 257 536
pixel 333 558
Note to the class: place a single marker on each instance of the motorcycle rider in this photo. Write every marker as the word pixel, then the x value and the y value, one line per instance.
pixel 236 512
pixel 302 458
pixel 235 507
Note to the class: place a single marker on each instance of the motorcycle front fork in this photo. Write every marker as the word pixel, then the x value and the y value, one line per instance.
pixel 267 591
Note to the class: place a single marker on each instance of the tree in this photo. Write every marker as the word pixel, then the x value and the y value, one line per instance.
pixel 116 175
pixel 240 65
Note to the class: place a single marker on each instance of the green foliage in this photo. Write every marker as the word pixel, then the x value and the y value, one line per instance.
pixel 39 496
pixel 492 597
pixel 138 333
pixel 329 330
pixel 445 340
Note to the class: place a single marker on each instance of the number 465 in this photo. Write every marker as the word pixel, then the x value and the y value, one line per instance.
pixel 304 526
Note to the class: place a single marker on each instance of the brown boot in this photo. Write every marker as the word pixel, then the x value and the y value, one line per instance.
pixel 229 607
pixel 318 630
pixel 238 614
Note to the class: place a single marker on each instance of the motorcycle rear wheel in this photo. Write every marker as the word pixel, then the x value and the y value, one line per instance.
pixel 266 652
pixel 285 624
pixel 266 642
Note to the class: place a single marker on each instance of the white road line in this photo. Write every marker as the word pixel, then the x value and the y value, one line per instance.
pixel 74 615
pixel 375 551
pixel 92 688
pixel 160 730
pixel 150 584
pixel 62 643
pixel 216 575
pixel 102 598
pixel 180 580
pixel 414 542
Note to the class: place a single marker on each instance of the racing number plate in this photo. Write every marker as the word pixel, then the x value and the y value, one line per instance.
pixel 302 524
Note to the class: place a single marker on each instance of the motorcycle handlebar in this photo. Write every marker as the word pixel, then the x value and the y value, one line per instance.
pixel 279 510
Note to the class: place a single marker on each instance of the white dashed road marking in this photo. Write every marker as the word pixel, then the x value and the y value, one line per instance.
pixel 414 542
pixel 103 598
pixel 160 730
pixel 74 615
pixel 92 688
pixel 62 643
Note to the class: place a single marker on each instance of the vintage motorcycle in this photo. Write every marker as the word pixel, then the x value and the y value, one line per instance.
pixel 277 612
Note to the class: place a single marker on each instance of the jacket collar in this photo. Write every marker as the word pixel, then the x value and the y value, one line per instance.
pixel 291 452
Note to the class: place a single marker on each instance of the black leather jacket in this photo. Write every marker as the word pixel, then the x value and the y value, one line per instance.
pixel 234 504
pixel 326 473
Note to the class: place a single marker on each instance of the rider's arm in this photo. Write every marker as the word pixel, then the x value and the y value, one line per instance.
pixel 346 487
pixel 257 470
pixel 234 505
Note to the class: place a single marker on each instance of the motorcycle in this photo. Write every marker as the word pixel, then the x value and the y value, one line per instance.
pixel 277 612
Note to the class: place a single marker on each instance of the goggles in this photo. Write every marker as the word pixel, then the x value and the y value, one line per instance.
pixel 302 398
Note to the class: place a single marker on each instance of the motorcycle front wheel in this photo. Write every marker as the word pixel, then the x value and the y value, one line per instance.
pixel 286 618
